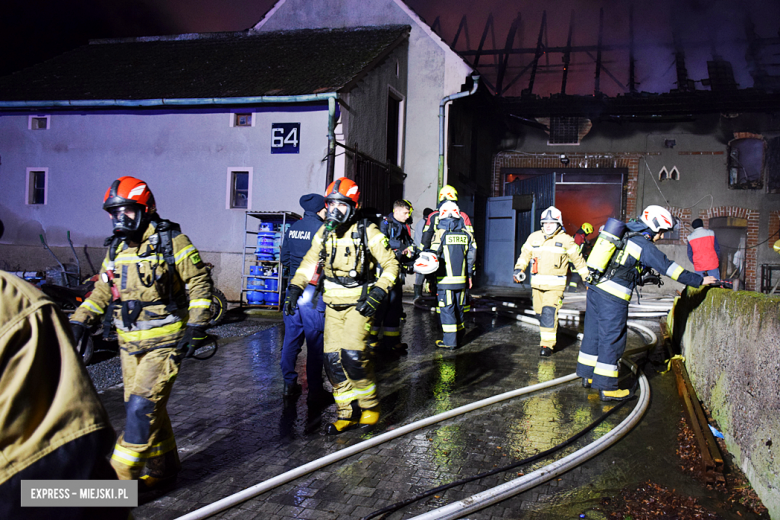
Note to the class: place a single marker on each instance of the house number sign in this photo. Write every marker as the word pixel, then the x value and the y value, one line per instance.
pixel 285 137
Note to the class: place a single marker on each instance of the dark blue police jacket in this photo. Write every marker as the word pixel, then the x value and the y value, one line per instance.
pixel 297 242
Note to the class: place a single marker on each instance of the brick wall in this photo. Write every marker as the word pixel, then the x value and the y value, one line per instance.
pixel 752 274
pixel 630 161
pixel 774 227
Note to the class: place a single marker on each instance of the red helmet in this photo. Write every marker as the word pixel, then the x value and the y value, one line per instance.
pixel 342 190
pixel 130 202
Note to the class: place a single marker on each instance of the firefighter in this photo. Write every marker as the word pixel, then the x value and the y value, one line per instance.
pixel 399 235
pixel 142 288
pixel 605 331
pixel 456 251
pixel 344 257
pixel 549 252
pixel 53 425
pixel 583 245
pixel 447 193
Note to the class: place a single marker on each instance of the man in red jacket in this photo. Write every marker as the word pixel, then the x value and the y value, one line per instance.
pixel 703 250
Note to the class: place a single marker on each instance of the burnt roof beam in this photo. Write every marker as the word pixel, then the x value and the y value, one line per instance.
pixel 504 59
pixel 538 54
pixel 567 54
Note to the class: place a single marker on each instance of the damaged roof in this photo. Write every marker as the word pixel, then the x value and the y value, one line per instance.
pixel 212 65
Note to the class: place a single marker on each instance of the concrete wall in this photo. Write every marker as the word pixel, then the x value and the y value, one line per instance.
pixel 731 344
pixel 184 155
pixel 435 72
pixel 700 154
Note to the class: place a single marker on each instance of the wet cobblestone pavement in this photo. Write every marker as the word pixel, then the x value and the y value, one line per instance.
pixel 234 430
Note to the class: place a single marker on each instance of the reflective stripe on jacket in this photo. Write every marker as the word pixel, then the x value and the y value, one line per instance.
pixel 703 249
pixel 342 249
pixel 141 274
pixel 552 255
pixel 640 251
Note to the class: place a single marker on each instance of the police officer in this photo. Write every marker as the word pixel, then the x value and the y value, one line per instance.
pixel 399 235
pixel 581 239
pixel 309 321
pixel 346 252
pixel 142 288
pixel 457 252
pixel 549 252
pixel 53 425
pixel 604 338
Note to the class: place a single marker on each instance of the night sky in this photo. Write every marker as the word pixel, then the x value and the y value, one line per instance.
pixel 32 31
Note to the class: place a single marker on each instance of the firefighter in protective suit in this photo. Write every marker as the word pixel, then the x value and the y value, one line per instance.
pixel 549 252
pixel 53 425
pixel 142 288
pixel 457 252
pixel 346 252
pixel 605 332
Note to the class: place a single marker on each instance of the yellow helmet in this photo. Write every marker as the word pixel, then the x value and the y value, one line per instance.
pixel 776 247
pixel 448 193
pixel 587 227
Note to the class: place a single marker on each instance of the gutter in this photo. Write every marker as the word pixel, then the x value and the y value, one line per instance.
pixel 331 97
pixel 102 103
pixel 443 102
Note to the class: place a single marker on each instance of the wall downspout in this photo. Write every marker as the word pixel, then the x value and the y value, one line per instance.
pixel 331 141
pixel 442 118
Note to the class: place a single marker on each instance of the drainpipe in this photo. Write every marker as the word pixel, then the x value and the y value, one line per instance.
pixel 443 102
pixel 331 140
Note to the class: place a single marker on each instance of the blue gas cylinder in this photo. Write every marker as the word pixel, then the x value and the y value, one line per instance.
pixel 271 298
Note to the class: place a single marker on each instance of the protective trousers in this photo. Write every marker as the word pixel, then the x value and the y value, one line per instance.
pixel 451 311
pixel 546 305
pixel 604 340
pixel 388 318
pixel 148 437
pixel 307 323
pixel 346 359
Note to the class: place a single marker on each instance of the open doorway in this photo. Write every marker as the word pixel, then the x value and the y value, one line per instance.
pixel 731 233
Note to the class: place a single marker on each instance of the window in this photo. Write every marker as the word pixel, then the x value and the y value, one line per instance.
pixel 35 193
pixel 568 130
pixel 394 115
pixel 239 192
pixel 38 123
pixel 243 120
pixel 746 163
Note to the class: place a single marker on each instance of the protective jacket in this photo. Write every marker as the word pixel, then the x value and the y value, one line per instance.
pixel 152 311
pixel 297 242
pixel 627 264
pixel 399 235
pixel 703 249
pixel 353 254
pixel 52 421
pixel 551 256
pixel 457 253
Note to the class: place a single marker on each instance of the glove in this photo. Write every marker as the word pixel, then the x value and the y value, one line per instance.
pixel 369 307
pixel 519 275
pixel 79 330
pixel 291 301
pixel 194 337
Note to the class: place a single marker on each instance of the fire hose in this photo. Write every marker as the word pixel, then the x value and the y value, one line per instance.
pixel 486 498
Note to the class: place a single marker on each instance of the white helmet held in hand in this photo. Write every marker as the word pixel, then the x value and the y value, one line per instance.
pixel 426 263
pixel 552 214
pixel 658 219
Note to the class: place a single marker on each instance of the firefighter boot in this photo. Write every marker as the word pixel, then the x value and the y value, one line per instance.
pixel 545 352
pixel 616 395
pixel 342 425
pixel 586 382
pixel 440 344
pixel 162 471
pixel 369 418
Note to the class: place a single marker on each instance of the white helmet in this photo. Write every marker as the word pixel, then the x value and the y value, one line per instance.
pixel 449 210
pixel 658 219
pixel 426 263
pixel 552 214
